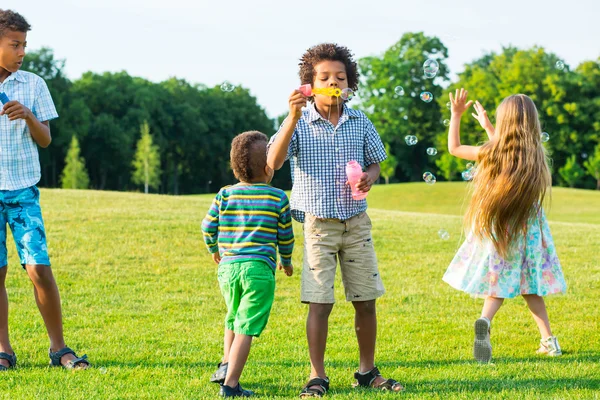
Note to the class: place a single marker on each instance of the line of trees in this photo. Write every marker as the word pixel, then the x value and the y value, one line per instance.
pixel 118 132
pixel 568 102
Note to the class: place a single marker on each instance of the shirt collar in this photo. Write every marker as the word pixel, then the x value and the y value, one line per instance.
pixel 17 76
pixel 313 115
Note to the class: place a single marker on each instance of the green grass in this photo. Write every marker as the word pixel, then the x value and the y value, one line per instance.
pixel 140 297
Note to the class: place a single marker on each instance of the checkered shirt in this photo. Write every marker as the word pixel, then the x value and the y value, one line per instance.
pixel 318 154
pixel 19 159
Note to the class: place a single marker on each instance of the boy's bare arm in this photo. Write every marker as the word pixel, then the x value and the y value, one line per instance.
pixel 279 149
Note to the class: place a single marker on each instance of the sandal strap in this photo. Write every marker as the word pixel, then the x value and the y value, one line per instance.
pixel 366 379
pixel 74 363
pixel 56 356
pixel 11 358
pixel 390 384
pixel 318 381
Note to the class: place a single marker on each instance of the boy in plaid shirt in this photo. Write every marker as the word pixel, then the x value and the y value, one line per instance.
pixel 319 142
pixel 27 108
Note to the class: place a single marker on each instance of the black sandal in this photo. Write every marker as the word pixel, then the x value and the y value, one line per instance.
pixel 73 364
pixel 238 391
pixel 307 391
pixel 220 374
pixel 367 380
pixel 12 361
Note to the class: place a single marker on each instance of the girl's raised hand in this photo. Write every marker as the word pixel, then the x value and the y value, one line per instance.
pixel 481 116
pixel 458 102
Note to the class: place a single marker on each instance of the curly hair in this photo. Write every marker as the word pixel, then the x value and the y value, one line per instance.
pixel 248 155
pixel 328 52
pixel 12 21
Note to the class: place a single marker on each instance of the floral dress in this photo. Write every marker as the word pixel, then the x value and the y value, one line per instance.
pixel 532 266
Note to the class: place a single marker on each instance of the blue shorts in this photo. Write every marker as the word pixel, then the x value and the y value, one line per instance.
pixel 20 209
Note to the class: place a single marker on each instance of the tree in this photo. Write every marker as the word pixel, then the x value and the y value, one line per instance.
pixel 147 161
pixel 397 115
pixel 388 166
pixel 74 176
pixel 592 165
pixel 568 102
pixel 571 172
pixel 448 165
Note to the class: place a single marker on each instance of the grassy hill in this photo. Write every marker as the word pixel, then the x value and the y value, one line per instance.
pixel 140 298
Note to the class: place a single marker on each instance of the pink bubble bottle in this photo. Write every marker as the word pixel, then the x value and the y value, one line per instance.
pixel 354 172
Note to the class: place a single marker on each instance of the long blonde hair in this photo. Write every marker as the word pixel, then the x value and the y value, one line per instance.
pixel 512 177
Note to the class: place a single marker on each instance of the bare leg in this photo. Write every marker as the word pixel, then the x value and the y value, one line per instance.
pixel 47 298
pixel 5 346
pixel 227 343
pixel 540 315
pixel 317 326
pixel 491 307
pixel 238 355
pixel 365 325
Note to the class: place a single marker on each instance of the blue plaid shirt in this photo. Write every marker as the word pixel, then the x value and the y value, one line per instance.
pixel 318 154
pixel 19 159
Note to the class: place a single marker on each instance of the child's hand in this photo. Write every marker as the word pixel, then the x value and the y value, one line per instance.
pixel 216 257
pixel 289 271
pixel 15 110
pixel 364 184
pixel 458 103
pixel 481 116
pixel 296 102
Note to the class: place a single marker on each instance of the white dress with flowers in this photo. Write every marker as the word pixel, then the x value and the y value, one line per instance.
pixel 531 268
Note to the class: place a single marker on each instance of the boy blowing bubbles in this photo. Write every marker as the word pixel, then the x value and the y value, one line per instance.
pixel 319 142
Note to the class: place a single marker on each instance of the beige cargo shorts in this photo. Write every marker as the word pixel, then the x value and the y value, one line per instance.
pixel 328 240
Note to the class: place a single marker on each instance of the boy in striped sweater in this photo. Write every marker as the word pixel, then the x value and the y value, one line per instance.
pixel 245 225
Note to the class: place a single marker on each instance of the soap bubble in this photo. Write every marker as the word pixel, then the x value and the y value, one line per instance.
pixel 446 122
pixel 443 234
pixel 545 136
pixel 103 370
pixel 430 66
pixel 399 90
pixel 432 151
pixel 584 155
pixel 559 65
pixel 411 140
pixel 429 75
pixel 347 94
pixel 426 97
pixel 467 175
pixel 448 105
pixel 429 178
pixel 227 87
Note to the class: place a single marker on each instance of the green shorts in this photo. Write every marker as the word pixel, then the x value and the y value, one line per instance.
pixel 248 288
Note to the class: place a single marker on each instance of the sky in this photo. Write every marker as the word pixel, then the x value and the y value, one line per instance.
pixel 257 43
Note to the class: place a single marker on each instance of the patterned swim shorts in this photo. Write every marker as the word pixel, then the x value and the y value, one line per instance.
pixel 20 209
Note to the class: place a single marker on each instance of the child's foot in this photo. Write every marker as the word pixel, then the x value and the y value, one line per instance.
pixel 67 358
pixel 482 348
pixel 550 347
pixel 7 361
pixel 220 374
pixel 228 391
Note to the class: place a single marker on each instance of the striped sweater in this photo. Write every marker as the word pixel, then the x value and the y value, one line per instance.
pixel 248 222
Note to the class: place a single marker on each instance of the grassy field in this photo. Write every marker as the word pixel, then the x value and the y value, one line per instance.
pixel 140 297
